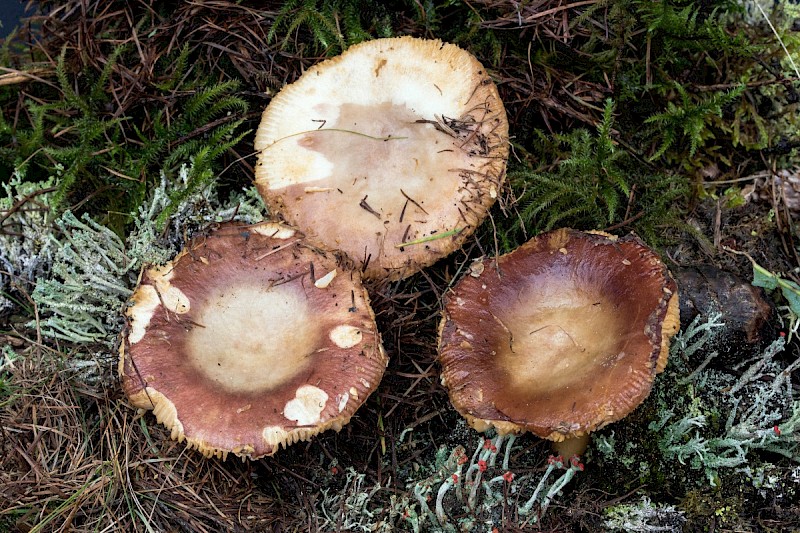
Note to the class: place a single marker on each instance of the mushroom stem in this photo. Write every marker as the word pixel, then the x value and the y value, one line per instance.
pixel 572 446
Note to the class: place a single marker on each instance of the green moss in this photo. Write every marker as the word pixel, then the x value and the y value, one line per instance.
pixel 719 506
pixel 72 131
pixel 643 516
pixel 593 183
pixel 332 25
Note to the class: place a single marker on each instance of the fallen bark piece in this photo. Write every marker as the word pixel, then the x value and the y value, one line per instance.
pixel 747 313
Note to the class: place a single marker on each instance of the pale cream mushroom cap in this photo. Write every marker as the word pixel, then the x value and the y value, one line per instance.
pixel 246 342
pixel 399 140
pixel 559 337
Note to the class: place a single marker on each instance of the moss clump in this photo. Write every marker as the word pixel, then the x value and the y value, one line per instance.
pixel 591 182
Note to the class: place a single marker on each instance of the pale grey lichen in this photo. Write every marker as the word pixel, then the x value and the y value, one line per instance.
pixel 25 248
pixel 93 367
pixel 353 508
pixel 756 404
pixel 475 488
pixel 148 244
pixel 643 517
pixel 770 481
pixel 605 444
pixel 708 420
pixel 90 279
pixel 93 271
pixel 7 359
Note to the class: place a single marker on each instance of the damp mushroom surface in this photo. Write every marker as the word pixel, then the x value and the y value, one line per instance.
pixel 250 340
pixel 392 152
pixel 559 337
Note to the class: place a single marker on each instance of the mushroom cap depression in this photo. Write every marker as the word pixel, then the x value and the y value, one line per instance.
pixel 248 340
pixel 559 337
pixel 399 140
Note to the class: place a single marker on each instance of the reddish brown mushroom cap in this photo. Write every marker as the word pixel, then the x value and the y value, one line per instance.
pixel 249 340
pixel 396 141
pixel 560 337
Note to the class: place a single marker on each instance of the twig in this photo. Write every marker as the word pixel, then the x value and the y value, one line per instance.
pixel 366 207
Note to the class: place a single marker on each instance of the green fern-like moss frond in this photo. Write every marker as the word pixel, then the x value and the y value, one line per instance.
pixel 689 120
pixel 179 65
pixel 202 153
pixel 333 25
pixel 590 186
pixel 208 102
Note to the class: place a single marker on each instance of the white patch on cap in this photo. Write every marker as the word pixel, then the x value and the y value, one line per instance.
pixel 307 405
pixel 343 401
pixel 146 301
pixel 354 392
pixel 325 280
pixel 311 166
pixel 274 435
pixel 162 273
pixel 476 268
pixel 274 230
pixel 174 299
pixel 147 298
pixel 345 336
pixel 465 334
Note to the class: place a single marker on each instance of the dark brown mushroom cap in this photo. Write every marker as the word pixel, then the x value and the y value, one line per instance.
pixel 248 340
pixel 559 337
pixel 396 141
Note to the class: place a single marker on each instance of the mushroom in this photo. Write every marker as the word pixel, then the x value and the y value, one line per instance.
pixel 559 337
pixel 392 152
pixel 250 339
